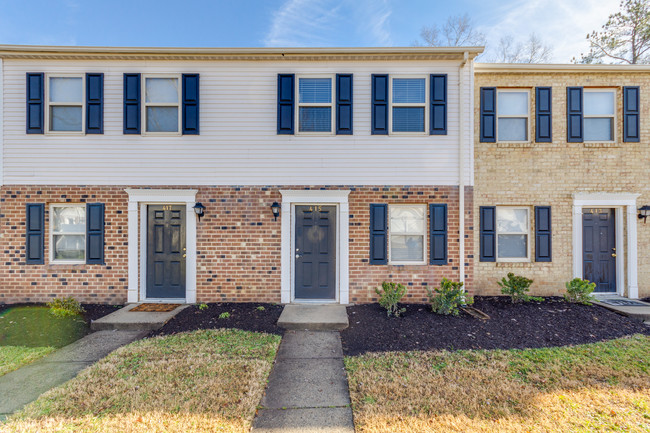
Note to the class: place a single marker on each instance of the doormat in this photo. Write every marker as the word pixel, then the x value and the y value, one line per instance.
pixel 623 303
pixel 155 308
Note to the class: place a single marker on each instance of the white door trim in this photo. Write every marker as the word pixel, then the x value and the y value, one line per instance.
pixel 289 199
pixel 624 204
pixel 137 230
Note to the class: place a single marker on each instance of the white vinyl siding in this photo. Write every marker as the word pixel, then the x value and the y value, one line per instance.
pixel 239 144
pixel 599 114
pixel 513 115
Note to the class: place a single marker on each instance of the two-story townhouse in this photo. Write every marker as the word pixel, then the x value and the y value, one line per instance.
pixel 198 175
pixel 562 178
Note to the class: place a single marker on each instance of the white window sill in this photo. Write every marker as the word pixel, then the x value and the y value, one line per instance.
pixel 67 262
pixel 407 263
pixel 161 134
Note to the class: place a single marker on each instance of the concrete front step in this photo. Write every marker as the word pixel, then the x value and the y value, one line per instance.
pixel 125 320
pixel 314 317
pixel 640 313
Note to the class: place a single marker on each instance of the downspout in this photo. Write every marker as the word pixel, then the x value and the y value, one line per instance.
pixel 461 169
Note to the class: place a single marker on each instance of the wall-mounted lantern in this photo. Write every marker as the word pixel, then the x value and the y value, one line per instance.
pixel 275 208
pixel 644 212
pixel 198 209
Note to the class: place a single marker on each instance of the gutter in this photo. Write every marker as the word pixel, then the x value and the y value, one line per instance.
pixel 527 68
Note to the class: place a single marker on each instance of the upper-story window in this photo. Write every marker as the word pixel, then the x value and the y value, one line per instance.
pixel 409 113
pixel 161 108
pixel 513 114
pixel 599 114
pixel 315 104
pixel 65 104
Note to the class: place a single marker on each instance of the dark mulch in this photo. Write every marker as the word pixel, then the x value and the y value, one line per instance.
pixel 550 323
pixel 245 316
pixel 92 311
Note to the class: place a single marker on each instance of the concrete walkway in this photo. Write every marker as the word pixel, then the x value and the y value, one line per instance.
pixel 632 308
pixel 26 384
pixel 308 388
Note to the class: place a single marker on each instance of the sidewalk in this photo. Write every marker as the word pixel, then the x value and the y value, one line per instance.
pixel 26 384
pixel 308 388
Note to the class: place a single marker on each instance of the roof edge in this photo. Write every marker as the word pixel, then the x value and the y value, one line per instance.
pixel 480 68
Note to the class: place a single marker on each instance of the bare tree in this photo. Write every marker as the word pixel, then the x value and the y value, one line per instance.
pixel 624 38
pixel 457 31
pixel 534 50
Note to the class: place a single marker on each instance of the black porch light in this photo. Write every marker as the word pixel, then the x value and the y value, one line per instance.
pixel 198 209
pixel 275 208
pixel 644 212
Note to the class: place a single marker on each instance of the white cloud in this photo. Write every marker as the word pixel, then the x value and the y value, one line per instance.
pixel 326 22
pixel 562 24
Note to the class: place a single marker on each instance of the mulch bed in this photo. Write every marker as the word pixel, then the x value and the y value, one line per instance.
pixel 547 324
pixel 245 316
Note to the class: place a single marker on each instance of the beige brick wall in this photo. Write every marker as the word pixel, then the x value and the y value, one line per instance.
pixel 550 173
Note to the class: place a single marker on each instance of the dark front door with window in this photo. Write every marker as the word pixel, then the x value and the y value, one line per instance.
pixel 599 248
pixel 166 251
pixel 315 252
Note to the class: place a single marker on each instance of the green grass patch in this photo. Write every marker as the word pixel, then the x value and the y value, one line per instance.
pixel 14 357
pixel 35 326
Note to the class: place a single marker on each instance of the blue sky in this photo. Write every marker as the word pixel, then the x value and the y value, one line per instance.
pixel 563 24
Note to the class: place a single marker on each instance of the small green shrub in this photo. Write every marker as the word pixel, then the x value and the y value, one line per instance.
pixel 448 297
pixel 64 307
pixel 224 315
pixel 516 287
pixel 389 295
pixel 203 306
pixel 579 291
pixel 260 308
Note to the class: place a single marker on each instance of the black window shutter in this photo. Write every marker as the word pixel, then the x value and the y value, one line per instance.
pixel 574 115
pixel 631 114
pixel 285 103
pixel 95 233
pixel 438 234
pixel 35 95
pixel 543 115
pixel 379 115
pixel 378 234
pixel 344 104
pixel 488 234
pixel 190 104
pixel 488 114
pixel 543 234
pixel 132 103
pixel 94 103
pixel 438 109
pixel 35 234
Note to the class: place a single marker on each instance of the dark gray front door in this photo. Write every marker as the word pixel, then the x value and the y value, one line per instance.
pixel 315 252
pixel 599 248
pixel 166 251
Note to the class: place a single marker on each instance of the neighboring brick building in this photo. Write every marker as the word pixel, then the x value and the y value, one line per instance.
pixel 584 177
pixel 107 153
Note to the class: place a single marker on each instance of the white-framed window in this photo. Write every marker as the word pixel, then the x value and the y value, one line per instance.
pixel 407 234
pixel 162 102
pixel 599 114
pixel 409 111
pixel 513 115
pixel 68 233
pixel 315 114
pixel 66 98
pixel 513 234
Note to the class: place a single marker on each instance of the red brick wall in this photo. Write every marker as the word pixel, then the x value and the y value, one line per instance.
pixel 238 245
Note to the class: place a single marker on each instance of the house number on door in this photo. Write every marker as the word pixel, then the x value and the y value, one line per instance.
pixel 167 207
pixel 315 208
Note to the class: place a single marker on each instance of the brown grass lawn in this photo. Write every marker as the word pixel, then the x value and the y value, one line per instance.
pixel 594 387
pixel 14 357
pixel 203 381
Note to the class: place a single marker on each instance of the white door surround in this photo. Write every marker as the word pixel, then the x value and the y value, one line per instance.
pixel 289 199
pixel 137 226
pixel 623 204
